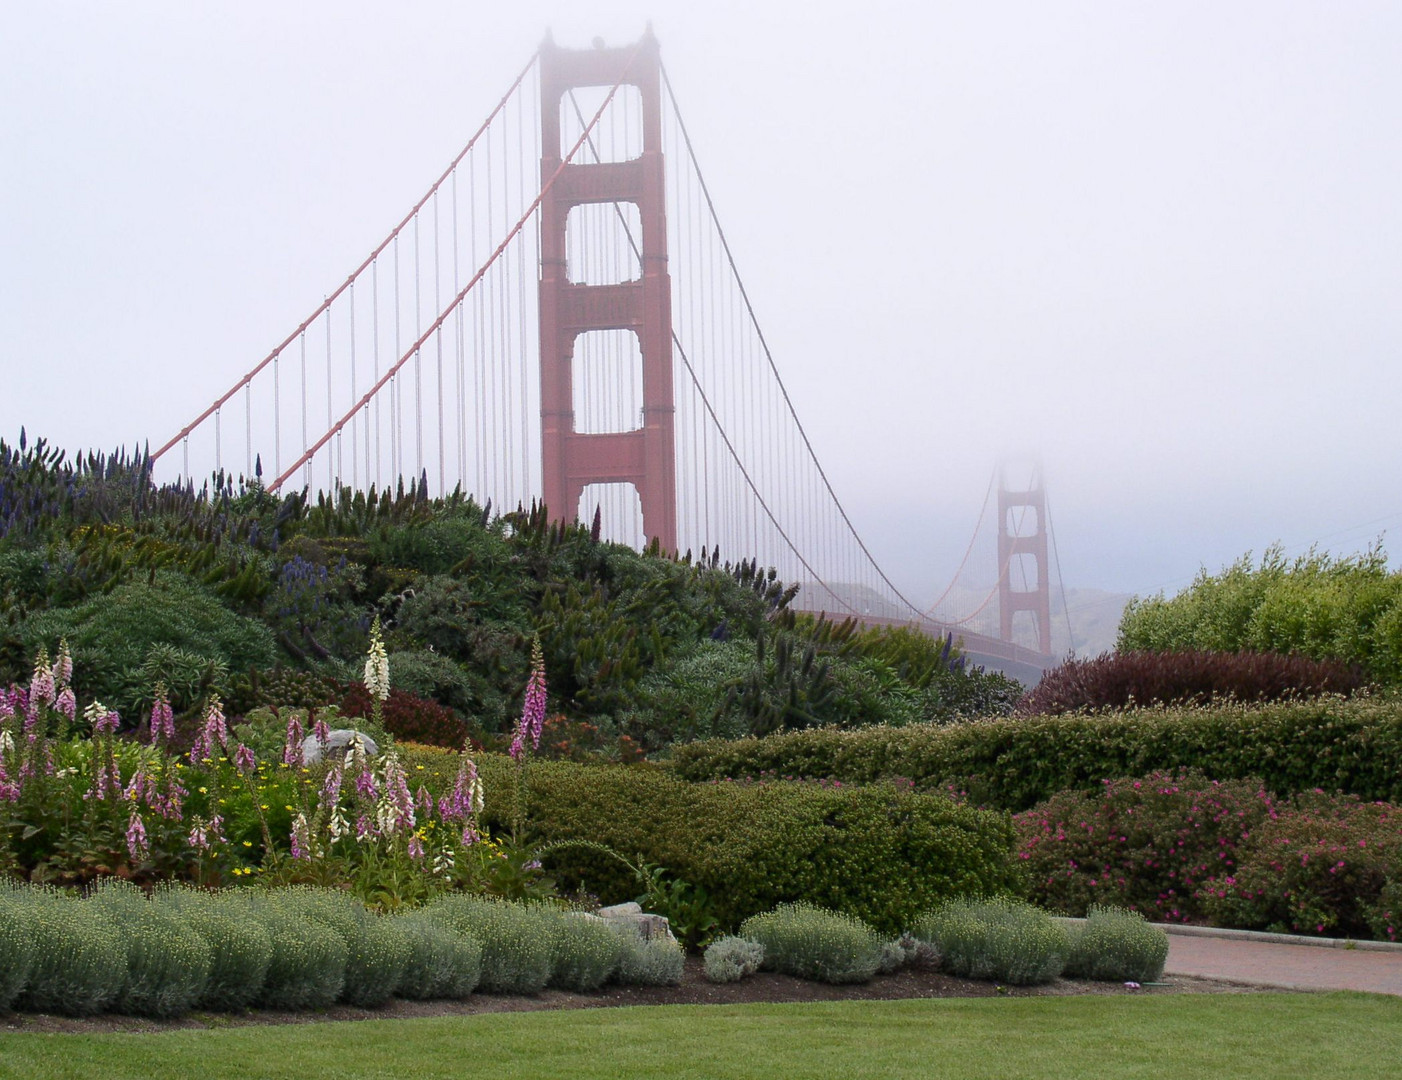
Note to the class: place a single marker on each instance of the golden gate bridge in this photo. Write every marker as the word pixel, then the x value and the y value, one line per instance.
pixel 561 318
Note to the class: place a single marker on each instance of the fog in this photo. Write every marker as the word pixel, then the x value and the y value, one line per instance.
pixel 1160 246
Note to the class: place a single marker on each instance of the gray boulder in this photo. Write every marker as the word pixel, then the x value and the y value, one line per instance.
pixel 336 745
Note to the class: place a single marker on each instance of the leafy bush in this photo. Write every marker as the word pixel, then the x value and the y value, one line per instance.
pixel 517 940
pixel 584 952
pixel 280 687
pixel 408 716
pixel 441 962
pixel 1354 745
pixel 308 968
pixel 80 957
pixel 1318 866
pixel 168 962
pixel 1114 944
pixel 376 951
pixel 1148 844
pixel 16 947
pixel 1343 608
pixel 1122 680
pixel 731 959
pixel 813 943
pixel 879 853
pixel 648 961
pixel 240 946
pixel 1006 940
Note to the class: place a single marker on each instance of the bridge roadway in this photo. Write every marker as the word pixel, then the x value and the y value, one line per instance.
pixel 1016 661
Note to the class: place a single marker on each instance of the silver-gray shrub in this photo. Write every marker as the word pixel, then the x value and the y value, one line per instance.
pixel 16 946
pixel 240 946
pixel 308 967
pixel 584 950
pixel 517 939
pixel 442 963
pixel 1001 939
pixel 730 959
pixel 168 962
pixel 80 957
pixel 814 943
pixel 376 949
pixel 657 961
pixel 1114 944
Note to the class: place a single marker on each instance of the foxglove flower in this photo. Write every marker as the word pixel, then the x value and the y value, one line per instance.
pixel 321 733
pixel 41 685
pixel 63 666
pixel 162 717
pixel 532 720
pixel 292 748
pixel 301 838
pixel 66 703
pixel 377 665
pixel 136 838
pixel 244 760
pixel 415 847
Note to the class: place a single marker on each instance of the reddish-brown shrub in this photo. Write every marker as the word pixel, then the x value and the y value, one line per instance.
pixel 408 716
pixel 1119 680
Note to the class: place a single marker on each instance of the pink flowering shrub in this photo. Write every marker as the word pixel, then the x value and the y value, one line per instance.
pixel 1318 867
pixel 1147 844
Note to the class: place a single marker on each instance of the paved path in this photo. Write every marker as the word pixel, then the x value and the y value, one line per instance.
pixel 1272 963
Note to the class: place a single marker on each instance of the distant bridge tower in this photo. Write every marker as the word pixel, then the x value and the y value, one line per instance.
pixel 645 456
pixel 1019 538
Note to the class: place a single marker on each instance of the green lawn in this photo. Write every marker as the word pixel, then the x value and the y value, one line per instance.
pixel 1334 1036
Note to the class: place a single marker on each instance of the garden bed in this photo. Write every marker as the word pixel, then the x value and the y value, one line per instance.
pixel 913 982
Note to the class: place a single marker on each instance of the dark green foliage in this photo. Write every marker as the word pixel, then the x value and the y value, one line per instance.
pixel 881 853
pixel 1001 939
pixel 1354 745
pixel 812 943
pixel 1122 680
pixel 1113 945
pixel 113 636
pixel 280 687
pixel 1347 609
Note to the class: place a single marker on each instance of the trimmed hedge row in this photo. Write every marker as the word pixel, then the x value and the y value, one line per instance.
pixel 1353 745
pixel 882 853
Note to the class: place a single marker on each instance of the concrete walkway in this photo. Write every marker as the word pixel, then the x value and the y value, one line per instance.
pixel 1282 961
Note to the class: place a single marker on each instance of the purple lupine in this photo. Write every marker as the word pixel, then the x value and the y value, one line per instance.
pixel 136 837
pixel 244 761
pixel 292 747
pixel 162 718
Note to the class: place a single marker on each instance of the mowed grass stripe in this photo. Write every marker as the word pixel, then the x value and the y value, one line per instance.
pixel 1340 1036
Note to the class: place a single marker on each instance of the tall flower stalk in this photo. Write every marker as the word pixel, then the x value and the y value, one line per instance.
pixel 528 728
pixel 377 670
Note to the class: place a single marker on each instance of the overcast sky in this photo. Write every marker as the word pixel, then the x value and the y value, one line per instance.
pixel 1158 244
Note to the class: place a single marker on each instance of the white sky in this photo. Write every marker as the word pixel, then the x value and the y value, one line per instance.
pixel 1159 244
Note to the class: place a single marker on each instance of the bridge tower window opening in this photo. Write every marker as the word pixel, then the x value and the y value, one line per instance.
pixel 617 137
pixel 607 377
pixel 603 243
pixel 620 510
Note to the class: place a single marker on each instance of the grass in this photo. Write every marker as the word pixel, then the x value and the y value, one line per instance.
pixel 1341 1036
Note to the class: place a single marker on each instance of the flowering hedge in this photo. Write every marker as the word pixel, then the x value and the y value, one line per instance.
pixel 1353 745
pixel 1181 848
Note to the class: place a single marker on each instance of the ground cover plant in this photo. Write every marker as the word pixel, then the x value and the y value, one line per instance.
pixel 1002 939
pixel 811 943
pixel 1114 944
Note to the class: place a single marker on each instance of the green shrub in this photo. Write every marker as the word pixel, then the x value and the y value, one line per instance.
pixel 517 940
pixel 584 951
pixel 441 962
pixel 1353 745
pixel 731 959
pixel 240 946
pixel 168 962
pixel 308 968
pixel 648 961
pixel 813 943
pixel 1114 944
pixel 80 957
pixel 16 946
pixel 880 853
pixel 1001 939
pixel 376 951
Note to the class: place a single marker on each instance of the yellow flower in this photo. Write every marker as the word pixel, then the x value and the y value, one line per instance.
pixel 204 791
pixel 248 843
pixel 263 806
pixel 286 807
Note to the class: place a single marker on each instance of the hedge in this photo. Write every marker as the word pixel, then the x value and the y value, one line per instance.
pixel 882 853
pixel 1352 745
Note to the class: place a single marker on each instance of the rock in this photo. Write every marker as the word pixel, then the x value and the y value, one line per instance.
pixel 336 745
pixel 647 925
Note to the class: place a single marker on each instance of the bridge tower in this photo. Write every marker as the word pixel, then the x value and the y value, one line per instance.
pixel 1016 540
pixel 646 455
